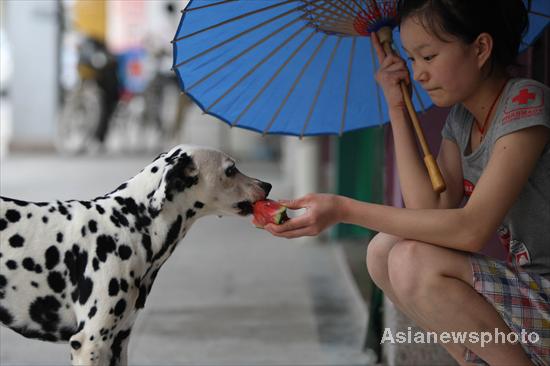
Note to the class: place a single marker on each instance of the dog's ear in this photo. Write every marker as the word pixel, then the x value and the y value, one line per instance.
pixel 180 172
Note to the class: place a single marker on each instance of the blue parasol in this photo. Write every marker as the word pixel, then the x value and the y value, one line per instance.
pixel 293 67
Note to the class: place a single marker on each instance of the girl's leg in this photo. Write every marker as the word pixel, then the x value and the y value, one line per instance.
pixel 435 285
pixel 378 252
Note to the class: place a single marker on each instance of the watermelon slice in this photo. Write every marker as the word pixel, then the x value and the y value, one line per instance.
pixel 269 212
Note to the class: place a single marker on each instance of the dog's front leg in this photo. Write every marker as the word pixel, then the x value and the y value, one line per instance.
pixel 87 350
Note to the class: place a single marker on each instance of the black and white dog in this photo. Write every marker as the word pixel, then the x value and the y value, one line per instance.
pixel 79 271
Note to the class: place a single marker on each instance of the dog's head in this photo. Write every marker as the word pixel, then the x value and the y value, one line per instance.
pixel 207 180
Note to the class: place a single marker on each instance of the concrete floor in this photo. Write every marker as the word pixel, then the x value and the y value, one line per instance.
pixel 229 295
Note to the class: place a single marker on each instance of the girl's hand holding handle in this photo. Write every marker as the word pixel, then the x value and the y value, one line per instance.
pixel 392 70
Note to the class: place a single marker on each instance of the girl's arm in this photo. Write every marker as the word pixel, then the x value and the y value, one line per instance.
pixel 512 161
pixel 416 186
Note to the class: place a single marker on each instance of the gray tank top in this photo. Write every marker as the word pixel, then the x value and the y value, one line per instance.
pixel 525 231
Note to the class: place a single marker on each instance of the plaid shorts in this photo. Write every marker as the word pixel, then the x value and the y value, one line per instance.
pixel 521 298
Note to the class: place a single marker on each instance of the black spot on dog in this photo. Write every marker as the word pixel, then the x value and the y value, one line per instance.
pixel 3 224
pixel 140 301
pixel 76 261
pixel 83 231
pixel 86 204
pixel 52 257
pixel 62 209
pixel 28 264
pixel 198 204
pixel 123 285
pixel 100 209
pixel 119 219
pixel 190 213
pixel 56 281
pixel 11 264
pixel 75 345
pixel 171 238
pixel 95 264
pixel 146 242
pixel 113 287
pixel 92 225
pixel 29 215
pixel 17 202
pixel 120 307
pixel 105 245
pixel 92 312
pixel 34 284
pixel 116 347
pixel 44 311
pixel 124 252
pixel 16 241
pixel 13 215
pixel 44 219
pixel 3 282
pixel 5 316
pixel 154 169
pixel 59 237
pixel 85 286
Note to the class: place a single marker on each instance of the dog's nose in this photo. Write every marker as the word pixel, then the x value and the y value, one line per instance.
pixel 266 187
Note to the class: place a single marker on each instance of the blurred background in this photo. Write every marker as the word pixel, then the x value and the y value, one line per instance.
pixel 87 98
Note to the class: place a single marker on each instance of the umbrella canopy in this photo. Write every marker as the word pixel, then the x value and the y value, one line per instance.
pixel 293 67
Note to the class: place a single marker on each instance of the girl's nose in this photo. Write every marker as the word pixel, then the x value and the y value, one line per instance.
pixel 419 75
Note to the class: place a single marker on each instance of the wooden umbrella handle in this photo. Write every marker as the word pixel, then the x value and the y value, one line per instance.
pixel 438 183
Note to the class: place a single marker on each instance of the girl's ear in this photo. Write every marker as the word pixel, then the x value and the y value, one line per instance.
pixel 484 48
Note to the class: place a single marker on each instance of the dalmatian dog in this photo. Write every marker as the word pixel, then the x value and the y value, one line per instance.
pixel 79 271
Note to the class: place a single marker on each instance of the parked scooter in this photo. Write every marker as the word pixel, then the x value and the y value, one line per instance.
pixel 88 108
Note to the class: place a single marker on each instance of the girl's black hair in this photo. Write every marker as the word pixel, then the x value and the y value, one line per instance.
pixel 505 20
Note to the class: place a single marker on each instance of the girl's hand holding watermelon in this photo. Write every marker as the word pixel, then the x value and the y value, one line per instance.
pixel 322 211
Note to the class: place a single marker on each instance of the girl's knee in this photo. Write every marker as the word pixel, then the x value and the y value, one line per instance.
pixel 408 267
pixel 378 250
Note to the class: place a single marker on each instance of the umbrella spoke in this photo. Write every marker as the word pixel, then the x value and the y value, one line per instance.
pixel 208 6
pixel 254 45
pixel 377 87
pixel 547 16
pixel 350 66
pixel 254 12
pixel 320 87
pixel 260 92
pixel 246 31
pixel 295 83
pixel 251 71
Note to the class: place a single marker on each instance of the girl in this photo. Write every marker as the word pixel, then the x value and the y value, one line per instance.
pixel 495 152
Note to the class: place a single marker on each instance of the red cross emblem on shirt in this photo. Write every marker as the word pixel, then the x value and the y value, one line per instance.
pixel 523 97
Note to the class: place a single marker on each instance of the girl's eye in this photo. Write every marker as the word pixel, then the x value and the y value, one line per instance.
pixel 429 58
pixel 231 171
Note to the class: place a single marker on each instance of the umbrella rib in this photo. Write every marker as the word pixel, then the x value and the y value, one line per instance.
pixel 275 75
pixel 328 10
pixel 540 14
pixel 207 6
pixel 350 66
pixel 245 51
pixel 347 6
pixel 296 81
pixel 320 87
pixel 377 88
pixel 236 36
pixel 251 71
pixel 235 19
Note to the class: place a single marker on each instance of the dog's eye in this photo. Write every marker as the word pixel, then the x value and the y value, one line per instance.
pixel 231 171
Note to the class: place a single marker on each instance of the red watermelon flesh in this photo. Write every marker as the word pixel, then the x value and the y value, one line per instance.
pixel 269 212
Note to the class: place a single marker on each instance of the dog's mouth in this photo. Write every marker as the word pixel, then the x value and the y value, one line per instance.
pixel 245 208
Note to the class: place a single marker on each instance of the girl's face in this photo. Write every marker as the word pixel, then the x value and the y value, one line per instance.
pixel 449 71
